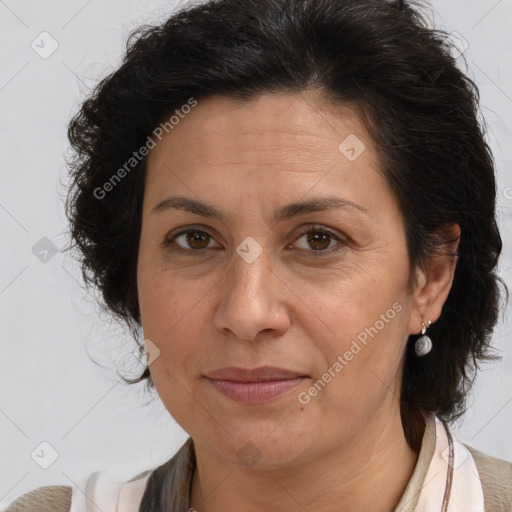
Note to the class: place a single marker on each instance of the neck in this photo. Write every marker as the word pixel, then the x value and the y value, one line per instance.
pixel 373 468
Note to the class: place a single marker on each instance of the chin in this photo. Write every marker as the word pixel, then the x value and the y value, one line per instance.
pixel 263 446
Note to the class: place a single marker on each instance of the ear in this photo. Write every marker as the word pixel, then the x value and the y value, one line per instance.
pixel 435 281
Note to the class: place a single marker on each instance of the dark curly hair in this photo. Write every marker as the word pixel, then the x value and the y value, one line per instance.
pixel 380 56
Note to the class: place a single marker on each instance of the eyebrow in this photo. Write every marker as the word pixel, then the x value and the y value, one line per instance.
pixel 283 213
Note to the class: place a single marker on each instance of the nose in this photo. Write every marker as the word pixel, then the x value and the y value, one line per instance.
pixel 253 301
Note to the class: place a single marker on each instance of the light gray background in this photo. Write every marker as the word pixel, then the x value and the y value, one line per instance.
pixel 50 391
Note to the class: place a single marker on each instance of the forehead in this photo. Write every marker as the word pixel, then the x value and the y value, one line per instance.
pixel 279 144
pixel 270 122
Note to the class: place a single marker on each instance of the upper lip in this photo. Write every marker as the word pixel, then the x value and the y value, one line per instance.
pixel 263 373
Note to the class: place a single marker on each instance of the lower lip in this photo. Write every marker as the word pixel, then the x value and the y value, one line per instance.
pixel 255 392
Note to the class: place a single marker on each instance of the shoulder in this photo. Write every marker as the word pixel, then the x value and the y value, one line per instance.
pixel 99 488
pixel 52 498
pixel 496 477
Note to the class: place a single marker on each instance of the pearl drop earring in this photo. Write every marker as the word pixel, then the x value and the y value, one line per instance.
pixel 423 345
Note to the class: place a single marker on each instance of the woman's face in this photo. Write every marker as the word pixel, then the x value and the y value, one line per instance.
pixel 247 286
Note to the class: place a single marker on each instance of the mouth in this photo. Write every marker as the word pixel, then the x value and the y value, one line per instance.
pixel 255 386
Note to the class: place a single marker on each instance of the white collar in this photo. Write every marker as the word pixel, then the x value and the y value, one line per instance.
pixel 451 483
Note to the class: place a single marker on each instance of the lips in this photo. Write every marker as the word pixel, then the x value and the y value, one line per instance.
pixel 254 386
pixel 264 373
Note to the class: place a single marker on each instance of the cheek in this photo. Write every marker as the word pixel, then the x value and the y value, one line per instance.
pixel 161 311
pixel 359 324
pixel 170 319
pixel 165 295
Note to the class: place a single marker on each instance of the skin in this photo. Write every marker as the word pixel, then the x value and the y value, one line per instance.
pixel 291 307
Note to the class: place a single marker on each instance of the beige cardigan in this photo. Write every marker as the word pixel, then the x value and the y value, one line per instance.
pixel 495 475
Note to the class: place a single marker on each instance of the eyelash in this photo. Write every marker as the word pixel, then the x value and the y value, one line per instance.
pixel 168 243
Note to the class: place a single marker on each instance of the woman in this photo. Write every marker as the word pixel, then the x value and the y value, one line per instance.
pixel 295 202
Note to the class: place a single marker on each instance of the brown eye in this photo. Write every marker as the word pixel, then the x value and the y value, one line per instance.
pixel 190 241
pixel 197 239
pixel 319 241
